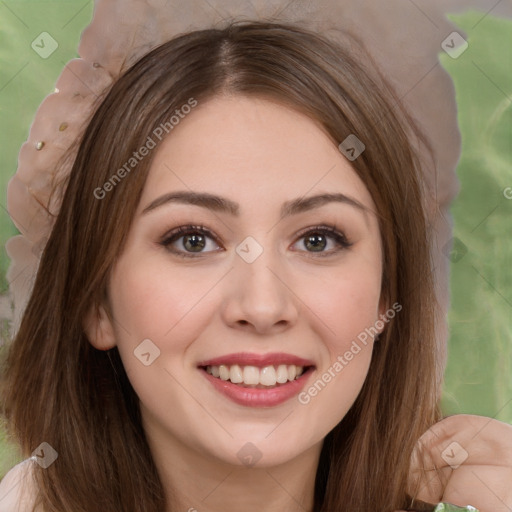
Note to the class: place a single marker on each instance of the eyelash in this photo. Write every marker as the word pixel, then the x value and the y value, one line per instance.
pixel 181 231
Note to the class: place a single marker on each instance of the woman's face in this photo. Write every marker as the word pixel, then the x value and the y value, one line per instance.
pixel 255 294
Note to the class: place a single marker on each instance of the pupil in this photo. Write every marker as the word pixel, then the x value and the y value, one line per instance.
pixel 196 242
pixel 314 240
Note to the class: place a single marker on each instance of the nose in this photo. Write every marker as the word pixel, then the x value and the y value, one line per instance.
pixel 259 296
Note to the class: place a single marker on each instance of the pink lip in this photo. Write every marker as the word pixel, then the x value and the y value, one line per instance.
pixel 252 397
pixel 259 360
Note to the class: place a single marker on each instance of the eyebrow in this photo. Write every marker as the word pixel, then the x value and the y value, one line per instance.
pixel 224 205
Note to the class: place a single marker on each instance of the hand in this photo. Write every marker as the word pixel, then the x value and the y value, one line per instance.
pixel 473 457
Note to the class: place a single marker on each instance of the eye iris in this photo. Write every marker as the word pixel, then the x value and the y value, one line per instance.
pixel 196 242
pixel 314 240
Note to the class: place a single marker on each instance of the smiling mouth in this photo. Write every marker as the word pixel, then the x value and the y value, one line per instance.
pixel 266 377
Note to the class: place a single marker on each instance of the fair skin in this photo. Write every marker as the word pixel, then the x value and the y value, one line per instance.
pixel 290 299
pixel 473 457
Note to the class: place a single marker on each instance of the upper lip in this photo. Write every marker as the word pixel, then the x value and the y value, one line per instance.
pixel 259 360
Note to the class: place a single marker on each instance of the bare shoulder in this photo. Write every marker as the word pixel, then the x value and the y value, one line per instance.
pixel 17 491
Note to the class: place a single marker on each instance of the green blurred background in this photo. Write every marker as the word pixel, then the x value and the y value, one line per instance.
pixel 478 378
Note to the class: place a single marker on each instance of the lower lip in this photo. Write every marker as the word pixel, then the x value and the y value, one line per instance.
pixel 252 397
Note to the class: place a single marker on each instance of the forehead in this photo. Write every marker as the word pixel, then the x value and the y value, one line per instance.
pixel 253 150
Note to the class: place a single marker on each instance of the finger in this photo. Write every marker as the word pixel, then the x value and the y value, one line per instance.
pixel 468 439
pixel 467 460
pixel 488 492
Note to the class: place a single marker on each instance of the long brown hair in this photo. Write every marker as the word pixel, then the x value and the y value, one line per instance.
pixel 57 388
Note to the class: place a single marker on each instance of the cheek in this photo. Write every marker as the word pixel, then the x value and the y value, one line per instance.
pixel 348 307
pixel 347 304
pixel 349 311
pixel 152 300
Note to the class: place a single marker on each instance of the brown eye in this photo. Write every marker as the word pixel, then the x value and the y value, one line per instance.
pixel 317 239
pixel 317 242
pixel 194 240
pixel 194 243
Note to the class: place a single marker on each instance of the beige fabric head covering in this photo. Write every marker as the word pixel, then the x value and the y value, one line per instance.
pixel 404 36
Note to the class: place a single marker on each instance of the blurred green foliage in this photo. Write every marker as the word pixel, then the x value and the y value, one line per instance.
pixel 478 379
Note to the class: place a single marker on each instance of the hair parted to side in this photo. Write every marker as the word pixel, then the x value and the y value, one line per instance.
pixel 57 388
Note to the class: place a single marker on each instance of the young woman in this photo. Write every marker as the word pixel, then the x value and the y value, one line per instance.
pixel 235 307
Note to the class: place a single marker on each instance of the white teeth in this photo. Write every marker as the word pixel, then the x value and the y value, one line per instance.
pixel 235 374
pixel 282 374
pixel 254 376
pixel 267 376
pixel 251 375
pixel 223 372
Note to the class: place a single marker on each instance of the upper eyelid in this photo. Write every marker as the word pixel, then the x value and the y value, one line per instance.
pixel 183 230
pixel 186 228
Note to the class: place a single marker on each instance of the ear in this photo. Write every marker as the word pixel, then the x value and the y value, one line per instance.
pixel 383 308
pixel 383 305
pixel 99 328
